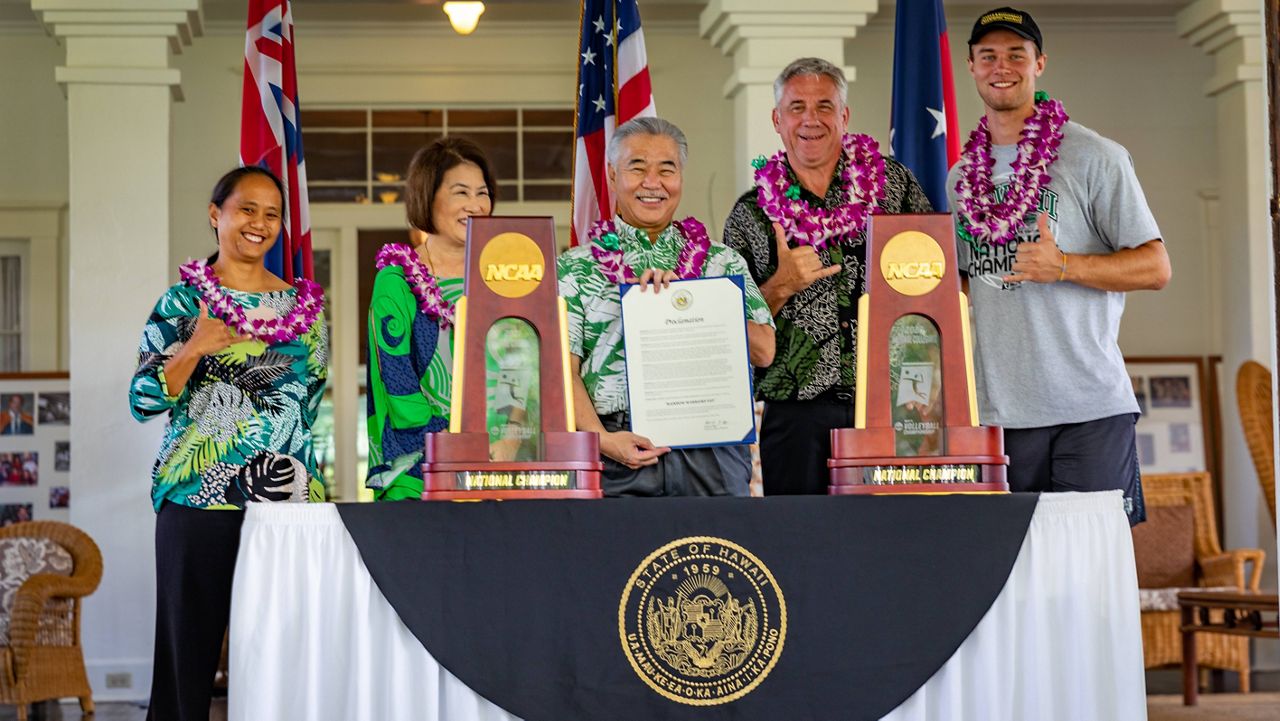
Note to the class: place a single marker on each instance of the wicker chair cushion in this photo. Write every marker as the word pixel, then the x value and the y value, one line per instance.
pixel 21 558
pixel 1166 599
pixel 1164 548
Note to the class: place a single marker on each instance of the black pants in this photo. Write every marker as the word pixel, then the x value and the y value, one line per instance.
pixel 195 560
pixel 1099 455
pixel 795 443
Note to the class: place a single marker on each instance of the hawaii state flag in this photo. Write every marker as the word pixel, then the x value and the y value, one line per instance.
pixel 613 87
pixel 924 133
pixel 270 134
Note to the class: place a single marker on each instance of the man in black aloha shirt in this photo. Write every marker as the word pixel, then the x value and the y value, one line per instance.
pixel 808 390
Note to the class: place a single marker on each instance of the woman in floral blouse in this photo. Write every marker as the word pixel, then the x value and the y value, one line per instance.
pixel 236 358
pixel 411 314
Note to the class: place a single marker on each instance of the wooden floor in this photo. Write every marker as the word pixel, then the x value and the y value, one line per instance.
pixel 1264 706
pixel 105 712
pixel 1213 707
pixel 1216 707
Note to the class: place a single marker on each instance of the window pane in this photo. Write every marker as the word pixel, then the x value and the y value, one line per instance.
pixel 335 156
pixel 555 118
pixel 500 148
pixel 546 192
pixel 482 118
pixel 11 293
pixel 332 119
pixel 323 446
pixel 393 151
pixel 336 193
pixel 408 118
pixel 548 155
pixel 10 353
pixel 320 263
pixel 509 193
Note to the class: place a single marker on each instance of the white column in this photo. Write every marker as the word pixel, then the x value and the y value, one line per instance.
pixel 119 87
pixel 762 37
pixel 1230 31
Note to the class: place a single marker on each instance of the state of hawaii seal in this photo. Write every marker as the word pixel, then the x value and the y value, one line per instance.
pixel 702 621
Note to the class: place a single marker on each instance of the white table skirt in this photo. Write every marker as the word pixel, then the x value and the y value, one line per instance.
pixel 313 639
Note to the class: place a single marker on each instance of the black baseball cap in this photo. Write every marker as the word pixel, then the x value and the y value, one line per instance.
pixel 1006 18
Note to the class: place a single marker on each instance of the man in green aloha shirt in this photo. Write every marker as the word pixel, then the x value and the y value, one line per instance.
pixel 646 161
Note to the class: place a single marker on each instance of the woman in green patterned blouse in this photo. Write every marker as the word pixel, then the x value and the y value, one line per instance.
pixel 236 358
pixel 410 321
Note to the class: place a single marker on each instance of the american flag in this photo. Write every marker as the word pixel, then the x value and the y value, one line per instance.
pixel 613 87
pixel 270 133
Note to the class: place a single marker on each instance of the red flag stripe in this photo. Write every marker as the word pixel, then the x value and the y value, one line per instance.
pixel 949 101
pixel 635 96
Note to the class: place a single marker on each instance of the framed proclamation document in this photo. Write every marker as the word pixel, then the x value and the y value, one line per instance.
pixel 688 372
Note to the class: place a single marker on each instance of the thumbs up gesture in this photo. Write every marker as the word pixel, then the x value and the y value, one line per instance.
pixel 798 268
pixel 1039 262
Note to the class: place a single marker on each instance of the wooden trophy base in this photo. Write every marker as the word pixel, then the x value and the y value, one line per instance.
pixel 457 468
pixel 862 462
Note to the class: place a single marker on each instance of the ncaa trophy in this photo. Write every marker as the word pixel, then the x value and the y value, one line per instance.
pixel 916 417
pixel 511 428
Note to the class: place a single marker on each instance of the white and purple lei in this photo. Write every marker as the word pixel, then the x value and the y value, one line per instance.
pixel 863 184
pixel 423 284
pixel 198 275
pixel 997 222
pixel 607 250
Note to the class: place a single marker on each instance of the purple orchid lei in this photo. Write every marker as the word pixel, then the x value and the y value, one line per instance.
pixel 863 183
pixel 981 216
pixel 607 250
pixel 198 275
pixel 423 284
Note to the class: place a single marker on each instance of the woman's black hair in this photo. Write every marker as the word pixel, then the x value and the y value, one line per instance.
pixel 226 185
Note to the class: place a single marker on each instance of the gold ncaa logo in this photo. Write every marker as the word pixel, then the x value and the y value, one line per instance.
pixel 511 265
pixel 912 263
pixel 702 621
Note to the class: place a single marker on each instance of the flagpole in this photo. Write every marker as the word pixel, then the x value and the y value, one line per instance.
pixel 573 186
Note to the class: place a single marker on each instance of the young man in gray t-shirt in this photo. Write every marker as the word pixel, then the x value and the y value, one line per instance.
pixel 1047 300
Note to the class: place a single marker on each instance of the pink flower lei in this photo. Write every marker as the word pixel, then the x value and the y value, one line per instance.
pixel 984 219
pixel 198 275
pixel 863 184
pixel 606 248
pixel 423 284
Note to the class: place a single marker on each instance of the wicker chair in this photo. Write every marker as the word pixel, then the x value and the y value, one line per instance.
pixel 1214 568
pixel 1253 393
pixel 44 659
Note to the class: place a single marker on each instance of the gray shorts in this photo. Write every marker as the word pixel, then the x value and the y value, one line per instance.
pixel 713 471
pixel 1099 455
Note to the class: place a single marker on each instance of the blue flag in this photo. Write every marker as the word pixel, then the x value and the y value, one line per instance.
pixel 923 130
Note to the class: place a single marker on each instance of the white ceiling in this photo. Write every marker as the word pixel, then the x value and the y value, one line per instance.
pixel 401 11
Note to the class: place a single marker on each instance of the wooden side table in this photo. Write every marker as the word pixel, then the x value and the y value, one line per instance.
pixel 1244 613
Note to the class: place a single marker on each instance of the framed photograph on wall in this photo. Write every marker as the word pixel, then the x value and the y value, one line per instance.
pixel 35 447
pixel 1175 430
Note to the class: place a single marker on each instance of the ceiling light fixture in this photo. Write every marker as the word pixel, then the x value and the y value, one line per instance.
pixel 463 16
